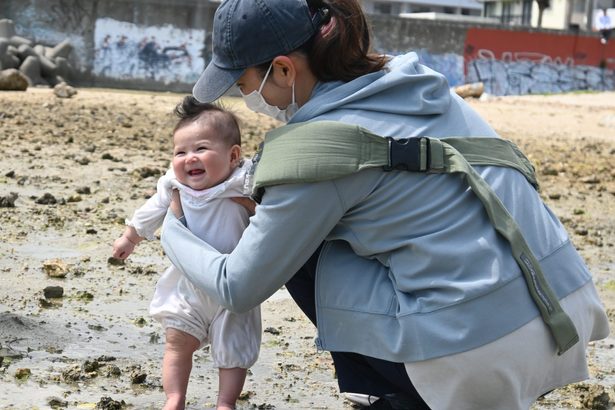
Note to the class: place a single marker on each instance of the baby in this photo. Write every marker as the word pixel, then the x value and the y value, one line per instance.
pixel 207 170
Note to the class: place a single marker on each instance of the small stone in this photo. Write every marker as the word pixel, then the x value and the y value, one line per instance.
pixel 107 403
pixel 8 201
pixel 113 371
pixel 74 198
pixel 90 366
pixel 55 268
pixel 55 402
pixel 23 373
pixel 138 377
pixel 116 261
pixel 593 179
pixel 84 295
pixel 84 190
pixel 63 90
pixel 145 172
pixel 46 199
pixel 555 196
pixel 72 374
pixel 272 330
pixel 550 171
pixel 52 292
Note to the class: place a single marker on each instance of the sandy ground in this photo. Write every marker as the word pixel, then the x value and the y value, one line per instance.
pixel 79 166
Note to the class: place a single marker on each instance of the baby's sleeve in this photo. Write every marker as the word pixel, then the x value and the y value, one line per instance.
pixel 149 217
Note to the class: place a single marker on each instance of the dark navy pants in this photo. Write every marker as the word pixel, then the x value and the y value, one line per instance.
pixel 355 373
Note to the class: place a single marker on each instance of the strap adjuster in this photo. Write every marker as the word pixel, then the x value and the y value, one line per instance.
pixel 405 154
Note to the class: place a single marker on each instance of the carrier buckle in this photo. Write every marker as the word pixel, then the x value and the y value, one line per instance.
pixel 405 154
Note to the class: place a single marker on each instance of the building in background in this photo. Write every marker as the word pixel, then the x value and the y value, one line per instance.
pixel 556 14
pixel 397 7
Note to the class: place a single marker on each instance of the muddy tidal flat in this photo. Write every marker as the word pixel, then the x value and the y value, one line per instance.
pixel 74 326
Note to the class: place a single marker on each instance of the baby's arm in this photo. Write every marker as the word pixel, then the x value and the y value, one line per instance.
pixel 146 220
pixel 125 244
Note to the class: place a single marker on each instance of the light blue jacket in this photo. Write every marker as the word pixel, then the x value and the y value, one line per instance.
pixel 411 268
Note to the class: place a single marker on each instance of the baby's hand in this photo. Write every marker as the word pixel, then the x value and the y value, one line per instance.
pixel 122 247
pixel 125 244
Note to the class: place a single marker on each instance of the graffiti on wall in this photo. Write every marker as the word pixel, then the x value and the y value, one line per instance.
pixel 449 64
pixel 166 54
pixel 513 63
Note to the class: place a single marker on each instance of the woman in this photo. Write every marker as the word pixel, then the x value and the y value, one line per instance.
pixel 414 292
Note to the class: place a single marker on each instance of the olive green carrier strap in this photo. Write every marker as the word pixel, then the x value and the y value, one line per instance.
pixel 324 150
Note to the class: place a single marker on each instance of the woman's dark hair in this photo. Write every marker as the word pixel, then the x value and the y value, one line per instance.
pixel 224 121
pixel 341 50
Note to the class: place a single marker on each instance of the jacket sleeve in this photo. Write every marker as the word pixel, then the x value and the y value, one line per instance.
pixel 289 225
pixel 148 218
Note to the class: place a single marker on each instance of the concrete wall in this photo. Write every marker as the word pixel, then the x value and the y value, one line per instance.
pixel 142 44
pixel 165 44
pixel 507 60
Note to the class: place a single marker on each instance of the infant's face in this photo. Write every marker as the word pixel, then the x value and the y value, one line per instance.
pixel 201 160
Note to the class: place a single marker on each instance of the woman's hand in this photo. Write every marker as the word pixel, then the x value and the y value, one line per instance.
pixel 247 203
pixel 176 204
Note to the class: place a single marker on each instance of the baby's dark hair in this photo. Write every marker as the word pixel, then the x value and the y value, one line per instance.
pixel 224 121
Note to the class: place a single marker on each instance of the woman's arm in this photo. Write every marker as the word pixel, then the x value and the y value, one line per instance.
pixel 287 228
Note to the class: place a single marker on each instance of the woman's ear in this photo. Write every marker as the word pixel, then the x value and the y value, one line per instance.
pixel 283 71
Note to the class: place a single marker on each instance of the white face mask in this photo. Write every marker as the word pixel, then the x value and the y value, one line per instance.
pixel 256 102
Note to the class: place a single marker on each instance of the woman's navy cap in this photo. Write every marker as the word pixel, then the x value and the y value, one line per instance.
pixel 251 32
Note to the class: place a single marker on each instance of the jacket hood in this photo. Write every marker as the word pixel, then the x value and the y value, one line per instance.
pixel 403 87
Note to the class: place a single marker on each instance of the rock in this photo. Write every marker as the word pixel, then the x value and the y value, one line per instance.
pixel 63 90
pixel 55 402
pixel 24 51
pixel 23 373
pixel 113 371
pixel 31 67
pixel 55 268
pixel 17 41
pixel 62 49
pixel 46 199
pixel 138 377
pixel 8 55
pixel 13 80
pixel 7 28
pixel 90 366
pixel 84 190
pixel 549 171
pixel 53 292
pixel 597 399
pixel 592 179
pixel 474 90
pixel 272 330
pixel 72 374
pixel 116 262
pixel 8 201
pixel 84 295
pixel 145 172
pixel 107 403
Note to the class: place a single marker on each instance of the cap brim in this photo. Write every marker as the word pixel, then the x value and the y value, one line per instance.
pixel 214 82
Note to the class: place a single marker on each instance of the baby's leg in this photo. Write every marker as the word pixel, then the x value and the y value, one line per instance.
pixel 229 388
pixel 176 367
